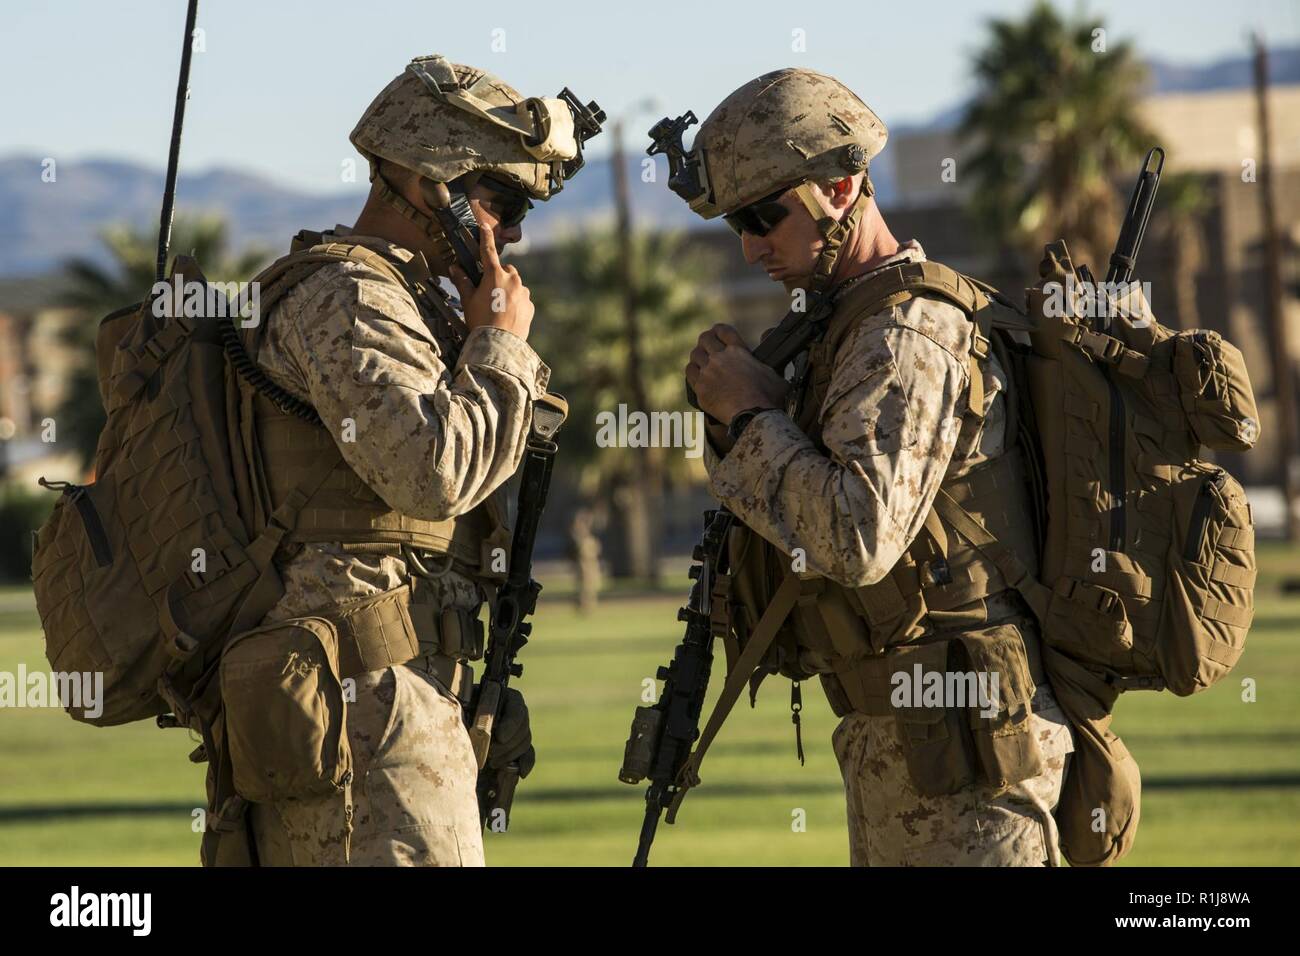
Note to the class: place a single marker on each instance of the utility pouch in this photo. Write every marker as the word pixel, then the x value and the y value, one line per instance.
pixel 284 711
pixel 1210 600
pixel 998 688
pixel 936 741
pixel 1215 391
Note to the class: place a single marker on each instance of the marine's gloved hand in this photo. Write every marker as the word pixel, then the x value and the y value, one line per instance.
pixel 512 737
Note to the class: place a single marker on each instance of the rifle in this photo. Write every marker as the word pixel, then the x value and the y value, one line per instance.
pixel 1124 259
pixel 662 735
pixel 514 601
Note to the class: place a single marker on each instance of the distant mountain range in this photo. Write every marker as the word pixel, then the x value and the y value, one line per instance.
pixel 44 224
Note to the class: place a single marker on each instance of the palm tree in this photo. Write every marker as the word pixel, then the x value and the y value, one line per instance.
pixel 1053 125
pixel 99 291
pixel 579 288
pixel 96 291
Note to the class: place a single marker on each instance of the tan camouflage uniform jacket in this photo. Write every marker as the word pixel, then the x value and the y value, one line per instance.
pixel 890 420
pixel 433 439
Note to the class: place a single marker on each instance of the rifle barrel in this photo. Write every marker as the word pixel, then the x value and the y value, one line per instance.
pixel 648 827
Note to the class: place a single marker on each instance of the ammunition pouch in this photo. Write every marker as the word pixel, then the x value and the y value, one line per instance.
pixel 984 737
pixel 939 753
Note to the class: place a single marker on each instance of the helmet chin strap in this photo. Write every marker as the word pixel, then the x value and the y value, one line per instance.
pixel 833 231
pixel 389 195
pixel 427 224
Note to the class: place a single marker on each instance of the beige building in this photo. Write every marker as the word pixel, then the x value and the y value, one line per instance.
pixel 1207 132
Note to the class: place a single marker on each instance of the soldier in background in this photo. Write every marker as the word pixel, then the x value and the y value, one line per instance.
pixel 584 549
pixel 426 405
pixel 835 476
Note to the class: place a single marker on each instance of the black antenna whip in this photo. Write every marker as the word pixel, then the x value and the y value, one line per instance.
pixel 174 155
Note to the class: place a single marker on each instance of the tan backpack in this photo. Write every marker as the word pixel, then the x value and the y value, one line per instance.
pixel 1147 569
pixel 143 574
pixel 1149 550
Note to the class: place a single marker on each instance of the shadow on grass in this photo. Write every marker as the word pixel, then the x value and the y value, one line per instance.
pixel 23 813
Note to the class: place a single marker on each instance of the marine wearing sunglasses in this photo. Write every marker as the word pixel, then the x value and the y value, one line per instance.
pixel 759 217
pixel 506 202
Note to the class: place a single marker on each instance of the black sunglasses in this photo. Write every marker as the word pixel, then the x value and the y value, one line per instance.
pixel 509 204
pixel 759 217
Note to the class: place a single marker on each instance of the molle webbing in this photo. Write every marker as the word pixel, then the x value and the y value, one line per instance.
pixel 344 508
pixel 994 492
pixel 392 627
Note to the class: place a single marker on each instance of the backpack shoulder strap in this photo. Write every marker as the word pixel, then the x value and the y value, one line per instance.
pixel 894 286
pixel 897 284
pixel 241 342
pixel 906 280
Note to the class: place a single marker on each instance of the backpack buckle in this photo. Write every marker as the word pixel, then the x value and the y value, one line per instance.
pixel 1124 684
pixel 938 571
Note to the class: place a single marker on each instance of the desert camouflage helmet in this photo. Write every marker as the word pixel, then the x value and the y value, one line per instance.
pixel 443 120
pixel 780 129
pixel 787 128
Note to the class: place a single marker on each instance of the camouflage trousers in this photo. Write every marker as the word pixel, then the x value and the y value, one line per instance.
pixel 412 799
pixel 890 824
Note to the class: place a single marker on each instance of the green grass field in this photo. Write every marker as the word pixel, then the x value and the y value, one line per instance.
pixel 1222 776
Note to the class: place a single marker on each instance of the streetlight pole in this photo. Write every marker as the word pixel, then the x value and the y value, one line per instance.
pixel 643 546
pixel 1274 316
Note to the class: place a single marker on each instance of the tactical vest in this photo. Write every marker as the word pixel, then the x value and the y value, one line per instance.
pixel 290 452
pixel 941 584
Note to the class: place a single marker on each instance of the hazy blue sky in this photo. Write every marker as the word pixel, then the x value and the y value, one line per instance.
pixel 282 81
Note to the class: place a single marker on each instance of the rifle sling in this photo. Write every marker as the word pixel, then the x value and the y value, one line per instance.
pixel 760 639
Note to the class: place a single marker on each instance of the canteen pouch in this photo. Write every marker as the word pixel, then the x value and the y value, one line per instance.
pixel 285 712
pixel 1215 391
pixel 1006 750
pixel 936 742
